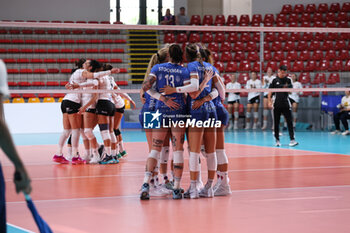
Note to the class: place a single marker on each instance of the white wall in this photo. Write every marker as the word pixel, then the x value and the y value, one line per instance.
pixel 204 7
pixel 275 6
pixel 55 10
pixel 178 4
pixel 237 7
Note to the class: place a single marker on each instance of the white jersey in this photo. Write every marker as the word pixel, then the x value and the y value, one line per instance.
pixel 105 84
pixel 232 96
pixel 117 100
pixel 252 85
pixel 295 95
pixel 86 97
pixel 76 77
pixel 4 89
pixel 267 82
pixel 345 102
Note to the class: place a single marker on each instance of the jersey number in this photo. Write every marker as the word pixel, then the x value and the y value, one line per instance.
pixel 170 81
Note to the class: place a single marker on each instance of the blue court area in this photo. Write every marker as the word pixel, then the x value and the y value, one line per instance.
pixel 15 229
pixel 319 141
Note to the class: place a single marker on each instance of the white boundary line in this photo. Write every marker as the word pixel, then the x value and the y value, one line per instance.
pixel 20 228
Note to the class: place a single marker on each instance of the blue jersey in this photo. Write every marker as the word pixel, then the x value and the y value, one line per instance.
pixel 169 74
pixel 197 69
pixel 221 112
pixel 217 100
pixel 150 103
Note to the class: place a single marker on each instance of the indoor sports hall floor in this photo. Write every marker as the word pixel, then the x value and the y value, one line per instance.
pixel 301 189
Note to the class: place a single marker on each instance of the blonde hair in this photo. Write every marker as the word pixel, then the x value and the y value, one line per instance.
pixel 157 58
pixel 193 53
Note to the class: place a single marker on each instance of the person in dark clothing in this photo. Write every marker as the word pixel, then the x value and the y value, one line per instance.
pixel 282 105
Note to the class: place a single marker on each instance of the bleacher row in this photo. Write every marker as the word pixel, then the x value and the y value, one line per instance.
pixel 60 21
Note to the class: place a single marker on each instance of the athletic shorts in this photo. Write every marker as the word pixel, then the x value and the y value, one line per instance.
pixel 254 100
pixel 292 101
pixel 105 107
pixel 222 114
pixel 233 102
pixel 265 96
pixel 2 203
pixel 70 107
pixel 206 111
pixel 120 110
pixel 91 110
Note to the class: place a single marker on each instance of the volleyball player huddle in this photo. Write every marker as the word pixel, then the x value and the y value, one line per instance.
pixel 174 93
pixel 82 112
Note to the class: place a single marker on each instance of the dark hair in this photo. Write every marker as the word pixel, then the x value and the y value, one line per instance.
pixel 206 55
pixel 107 67
pixel 182 8
pixel 95 65
pixel 80 63
pixel 193 53
pixel 175 53
pixel 283 67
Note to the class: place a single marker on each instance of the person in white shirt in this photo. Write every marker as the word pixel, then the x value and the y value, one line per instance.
pixel 343 115
pixel 233 102
pixel 294 98
pixel 266 81
pixel 253 100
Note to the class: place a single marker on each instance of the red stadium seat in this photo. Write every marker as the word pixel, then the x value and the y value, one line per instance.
pixel 335 7
pixel 332 36
pixel 267 55
pixel 215 56
pixel 181 38
pixel 344 54
pixel 239 56
pixel 305 24
pixel 278 55
pixel 292 55
pixel 299 9
pixel 268 24
pixel 12 71
pixel 342 16
pixel 304 78
pixel 207 20
pixel 267 46
pixel 330 55
pixel 322 8
pixel 219 20
pixel 340 45
pixel 52 83
pixel 298 66
pixel 169 38
pixel 311 66
pixel 66 51
pixel 245 37
pixel 231 67
pixel 270 36
pixel 66 71
pixel 337 65
pixel 302 45
pixel 219 37
pixel 104 41
pixel 331 24
pixel 282 36
pixel 295 36
pixel 285 63
pixel 244 66
pixel 232 37
pixel 9 60
pixel 17 41
pixel 327 45
pixel 243 78
pixel 276 46
pixel 256 66
pixel 256 36
pixel 107 50
pixel 289 46
pixel 232 20
pixel 253 56
pixel 320 36
pixel 26 71
pixel 195 20
pixel 194 38
pixel 22 60
pixel 53 50
pixel 49 60
pixel 213 46
pixel 323 64
pixel 330 16
pixel 38 84
pixel 318 17
pixel 238 46
pixel 333 78
pixel 116 60
pixel 281 24
pixel 272 65
pixel 343 24
pixel 244 20
pixel 319 78
pixel 39 71
pixel 257 18
pixel 36 60
pixel 102 32
pixel 286 9
pixel 207 37
pixel 63 60
pixel 281 18
pixel 318 24
pixel 317 55
pixel 305 17
pixel 225 46
pixel 14 31
pixel 346 7
pixel 251 46
pixel 293 24
pixel 304 55
pixel 307 36
pixel 220 66
pixel 293 17
pixel 5 41
pixel 226 56
pixel 53 71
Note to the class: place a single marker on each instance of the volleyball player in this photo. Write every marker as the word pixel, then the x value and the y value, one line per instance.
pixel 253 100
pixel 294 98
pixel 21 177
pixel 233 102
pixel 161 75
pixel 281 105
pixel 266 81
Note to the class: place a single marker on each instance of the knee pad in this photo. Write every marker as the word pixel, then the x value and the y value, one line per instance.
pixel 194 162
pixel 248 115
pixel 265 112
pixel 82 134
pixel 221 157
pixel 113 137
pixel 295 115
pixel 178 157
pixel 256 114
pixel 212 161
pixel 164 155
pixel 154 154
pixel 236 114
pixel 67 133
pixel 103 127
pixel 117 132
pixel 89 134
pixel 105 135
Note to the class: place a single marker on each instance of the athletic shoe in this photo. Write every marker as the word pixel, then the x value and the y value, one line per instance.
pixel 169 185
pixel 156 191
pixel 60 159
pixel 223 190
pixel 78 160
pixel 108 160
pixel 123 153
pixel 230 127
pixel 200 184
pixel 86 158
pixel 235 126
pixel 293 143
pixel 264 127
pixel 69 158
pixel 284 128
pixel 336 132
pixel 247 126
pixel 144 192
pixel 95 159
pixel 164 189
pixel 100 150
pixel 278 144
pixel 115 157
pixel 207 191
pixel 217 184
pixel 119 156
pixel 191 193
pixel 346 132
pixel 254 126
pixel 177 194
